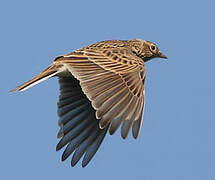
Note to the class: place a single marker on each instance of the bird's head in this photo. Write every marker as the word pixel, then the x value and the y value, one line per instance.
pixel 146 50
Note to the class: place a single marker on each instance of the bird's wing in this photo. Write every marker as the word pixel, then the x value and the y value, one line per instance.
pixel 79 128
pixel 113 80
pixel 117 60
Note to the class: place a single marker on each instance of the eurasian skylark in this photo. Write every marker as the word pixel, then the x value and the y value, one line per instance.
pixel 101 87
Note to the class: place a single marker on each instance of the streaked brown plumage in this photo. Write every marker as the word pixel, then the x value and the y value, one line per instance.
pixel 101 87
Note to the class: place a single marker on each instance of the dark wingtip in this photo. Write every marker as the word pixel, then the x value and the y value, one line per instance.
pixel 73 162
pixel 84 164
pixel 135 136
pixel 123 137
pixel 59 146
pixel 124 134
pixel 111 132
pixel 64 156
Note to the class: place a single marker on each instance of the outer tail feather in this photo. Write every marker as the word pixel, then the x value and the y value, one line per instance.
pixel 46 74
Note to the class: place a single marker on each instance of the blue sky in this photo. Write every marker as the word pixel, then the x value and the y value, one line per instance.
pixel 177 138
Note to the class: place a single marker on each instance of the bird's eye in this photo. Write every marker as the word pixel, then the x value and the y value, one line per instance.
pixel 153 48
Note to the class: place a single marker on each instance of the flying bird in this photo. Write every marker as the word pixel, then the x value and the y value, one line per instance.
pixel 101 88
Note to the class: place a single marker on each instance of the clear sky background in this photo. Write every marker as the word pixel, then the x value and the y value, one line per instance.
pixel 177 138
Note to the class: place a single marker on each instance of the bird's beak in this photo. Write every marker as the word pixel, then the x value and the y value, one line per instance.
pixel 161 55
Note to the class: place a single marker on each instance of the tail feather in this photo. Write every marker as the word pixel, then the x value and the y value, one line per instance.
pixel 46 74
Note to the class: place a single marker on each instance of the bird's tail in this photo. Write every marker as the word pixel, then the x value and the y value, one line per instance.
pixel 44 75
